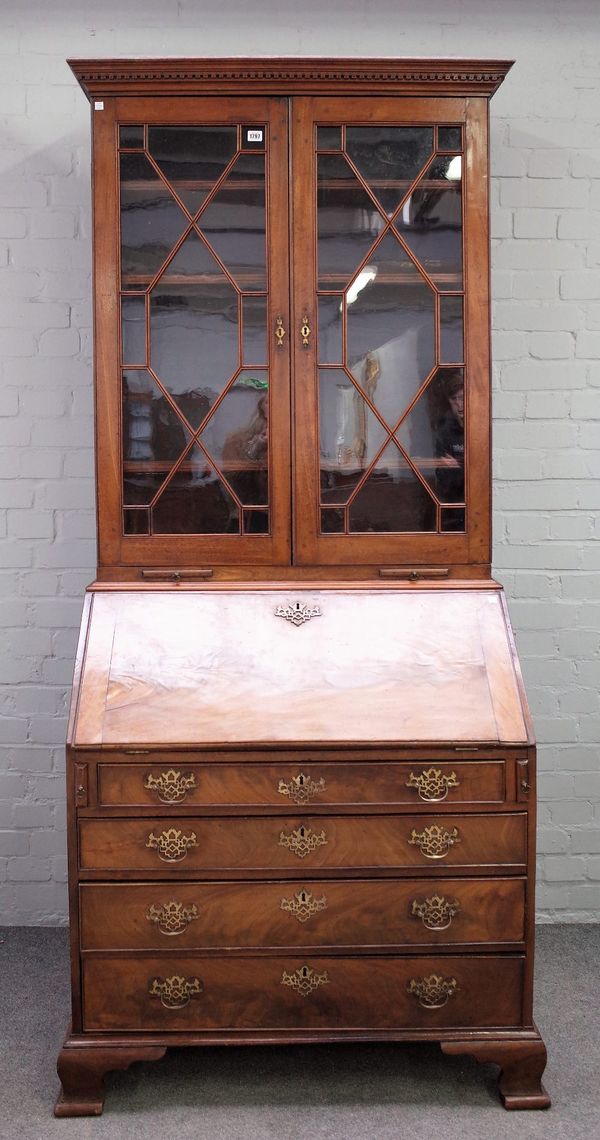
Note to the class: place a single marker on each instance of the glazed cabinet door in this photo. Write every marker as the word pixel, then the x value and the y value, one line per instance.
pixel 389 330
pixel 192 344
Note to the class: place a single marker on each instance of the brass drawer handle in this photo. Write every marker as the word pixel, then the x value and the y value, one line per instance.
pixel 302 841
pixel 304 905
pixel 171 787
pixel 172 845
pixel 304 980
pixel 175 992
pixel 172 917
pixel 434 991
pixel 434 842
pixel 436 912
pixel 432 784
pixel 301 789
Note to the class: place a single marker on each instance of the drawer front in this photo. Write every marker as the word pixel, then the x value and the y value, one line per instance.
pixel 299 784
pixel 387 912
pixel 293 844
pixel 195 994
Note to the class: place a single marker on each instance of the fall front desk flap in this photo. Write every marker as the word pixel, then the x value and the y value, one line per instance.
pixel 297 665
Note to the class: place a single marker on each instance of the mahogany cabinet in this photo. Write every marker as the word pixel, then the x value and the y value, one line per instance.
pixel 300 765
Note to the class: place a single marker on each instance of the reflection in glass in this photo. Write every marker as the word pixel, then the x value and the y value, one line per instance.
pixel 194 329
pixel 449 138
pixel 235 223
pixel 254 321
pixel 131 137
pixel 195 501
pixel 350 435
pixel 347 221
pixel 392 498
pixel 151 220
pixel 389 158
pixel 430 222
pixel 133 329
pixel 433 435
pixel 256 522
pixel 237 437
pixel 332 521
pixel 452 518
pixel 451 330
pixel 330 330
pixel 136 520
pixel 153 437
pixel 391 329
pixel 192 158
pixel 329 138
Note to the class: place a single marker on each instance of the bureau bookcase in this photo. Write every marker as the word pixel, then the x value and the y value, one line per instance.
pixel 300 764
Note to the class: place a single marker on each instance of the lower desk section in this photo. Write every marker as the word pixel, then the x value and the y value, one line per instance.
pixel 192 994
pixel 380 912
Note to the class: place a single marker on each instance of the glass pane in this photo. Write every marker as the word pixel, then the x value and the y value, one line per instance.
pixel 153 437
pixel 151 221
pixel 390 329
pixel 350 435
pixel 330 330
pixel 133 326
pixel 195 501
pixel 192 158
pixel 433 435
pixel 254 322
pixel 329 138
pixel 256 522
pixel 254 138
pixel 453 518
pixel 389 158
pixel 234 223
pixel 430 222
pixel 332 521
pixel 237 438
pixel 136 520
pixel 449 138
pixel 194 329
pixel 131 137
pixel 392 498
pixel 451 330
pixel 347 221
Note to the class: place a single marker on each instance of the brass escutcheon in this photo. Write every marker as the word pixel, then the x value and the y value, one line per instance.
pixel 303 905
pixel 304 980
pixel 435 912
pixel 279 332
pixel 434 991
pixel 298 613
pixel 432 784
pixel 175 992
pixel 305 331
pixel 434 842
pixel 302 841
pixel 301 789
pixel 171 787
pixel 171 844
pixel 172 917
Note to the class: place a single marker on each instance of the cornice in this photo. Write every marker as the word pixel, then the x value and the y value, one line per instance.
pixel 310 76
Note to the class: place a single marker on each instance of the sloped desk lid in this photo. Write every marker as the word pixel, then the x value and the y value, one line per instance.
pixel 201 667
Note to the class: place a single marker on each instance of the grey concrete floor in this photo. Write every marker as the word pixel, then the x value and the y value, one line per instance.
pixel 348 1092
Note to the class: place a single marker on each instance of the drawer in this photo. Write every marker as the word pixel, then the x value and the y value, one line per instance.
pixel 385 912
pixel 377 842
pixel 195 994
pixel 298 784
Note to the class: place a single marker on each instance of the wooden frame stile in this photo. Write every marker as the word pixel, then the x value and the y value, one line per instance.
pixel 147 711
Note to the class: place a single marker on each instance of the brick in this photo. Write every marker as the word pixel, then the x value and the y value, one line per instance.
pixel 584 284
pixel 36 316
pixel 586 164
pixel 579 585
pixel 543 192
pixel 585 405
pixel 29 869
pixel 21 192
pixel 59 342
pixel 552 841
pixel 534 224
pixel 32 815
pixel 586 841
pixel 571 527
pixel 587 784
pixel 12 224
pixel 547 405
pixel 578 225
pixel 40 464
pixel 564 868
pixel 532 285
pixel 548 163
pixel 9 401
pixel 60 432
pixel 66 494
pixel 39 582
pixel 58 612
pixel 32 757
pixel 587 344
pixel 537 254
pixel 46 402
pixel 28 643
pixel 536 317
pixel 53 223
pixel 508 345
pixel 31 524
pixel 17 342
pixel 72 552
pixel 14 843
pixel 544 375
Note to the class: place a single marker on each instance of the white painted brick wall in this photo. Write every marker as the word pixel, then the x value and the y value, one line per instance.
pixel 546 258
